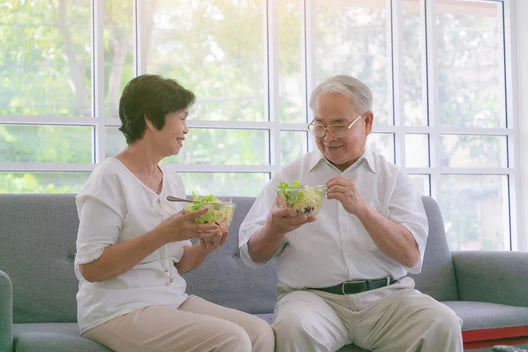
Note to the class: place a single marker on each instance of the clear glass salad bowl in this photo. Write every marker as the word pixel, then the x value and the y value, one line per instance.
pixel 220 213
pixel 303 200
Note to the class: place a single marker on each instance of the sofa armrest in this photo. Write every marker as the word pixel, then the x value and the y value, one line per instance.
pixel 494 277
pixel 6 313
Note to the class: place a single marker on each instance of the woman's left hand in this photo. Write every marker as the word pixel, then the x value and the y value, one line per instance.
pixel 214 241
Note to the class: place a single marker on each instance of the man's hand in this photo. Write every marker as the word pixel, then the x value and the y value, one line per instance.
pixel 346 192
pixel 263 244
pixel 282 220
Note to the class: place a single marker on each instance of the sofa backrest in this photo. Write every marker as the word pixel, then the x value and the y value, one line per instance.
pixel 437 278
pixel 235 285
pixel 37 248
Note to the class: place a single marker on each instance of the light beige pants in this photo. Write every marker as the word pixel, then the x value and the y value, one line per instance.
pixel 395 318
pixel 196 326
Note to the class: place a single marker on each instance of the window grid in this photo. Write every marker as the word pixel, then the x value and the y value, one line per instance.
pixel 394 22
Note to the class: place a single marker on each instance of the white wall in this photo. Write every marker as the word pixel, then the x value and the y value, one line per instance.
pixel 520 49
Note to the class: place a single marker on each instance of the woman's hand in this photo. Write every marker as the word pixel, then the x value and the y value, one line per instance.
pixel 210 242
pixel 181 226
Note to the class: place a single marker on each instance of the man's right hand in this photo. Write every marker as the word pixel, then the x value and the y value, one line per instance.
pixel 282 220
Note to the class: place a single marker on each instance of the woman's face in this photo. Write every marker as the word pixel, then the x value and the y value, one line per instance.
pixel 172 135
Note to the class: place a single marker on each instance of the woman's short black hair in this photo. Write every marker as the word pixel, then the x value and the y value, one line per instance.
pixel 152 97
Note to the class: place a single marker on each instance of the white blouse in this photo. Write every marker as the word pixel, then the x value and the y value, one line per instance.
pixel 115 206
pixel 336 247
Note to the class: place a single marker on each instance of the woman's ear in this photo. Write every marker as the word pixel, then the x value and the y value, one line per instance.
pixel 148 123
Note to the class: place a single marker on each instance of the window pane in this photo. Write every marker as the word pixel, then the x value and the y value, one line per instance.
pixel 412 54
pixel 416 150
pixel 45 44
pixel 470 63
pixel 382 143
pixel 217 49
pixel 51 144
pixel 293 146
pixel 291 70
pixel 222 146
pixel 118 51
pixel 42 182
pixel 475 211
pixel 224 184
pixel 351 38
pixel 114 142
pixel 422 183
pixel 474 151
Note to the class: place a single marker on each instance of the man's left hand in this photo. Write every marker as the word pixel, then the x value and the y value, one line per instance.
pixel 345 191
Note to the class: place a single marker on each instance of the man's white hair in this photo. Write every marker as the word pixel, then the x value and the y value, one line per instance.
pixel 359 94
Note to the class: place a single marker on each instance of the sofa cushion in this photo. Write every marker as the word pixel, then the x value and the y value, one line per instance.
pixel 437 278
pixel 38 245
pixel 490 321
pixel 52 337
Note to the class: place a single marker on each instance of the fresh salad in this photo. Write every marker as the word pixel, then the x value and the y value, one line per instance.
pixel 221 213
pixel 304 200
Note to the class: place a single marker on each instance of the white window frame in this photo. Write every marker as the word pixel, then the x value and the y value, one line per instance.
pixel 516 80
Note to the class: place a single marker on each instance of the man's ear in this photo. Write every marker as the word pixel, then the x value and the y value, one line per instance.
pixel 369 119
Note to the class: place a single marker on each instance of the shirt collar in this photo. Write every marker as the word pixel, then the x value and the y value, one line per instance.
pixel 318 158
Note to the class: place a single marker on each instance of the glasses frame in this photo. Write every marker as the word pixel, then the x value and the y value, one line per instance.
pixel 313 123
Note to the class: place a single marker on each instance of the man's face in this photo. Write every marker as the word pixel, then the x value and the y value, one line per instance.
pixel 337 109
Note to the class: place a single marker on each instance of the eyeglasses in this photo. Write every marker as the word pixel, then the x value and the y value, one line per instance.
pixel 338 131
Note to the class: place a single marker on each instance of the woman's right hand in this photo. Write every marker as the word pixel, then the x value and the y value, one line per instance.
pixel 181 226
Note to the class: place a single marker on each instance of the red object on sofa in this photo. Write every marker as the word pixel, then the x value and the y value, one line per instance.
pixel 499 336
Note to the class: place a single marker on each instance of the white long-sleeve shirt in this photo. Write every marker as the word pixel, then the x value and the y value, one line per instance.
pixel 336 247
pixel 114 206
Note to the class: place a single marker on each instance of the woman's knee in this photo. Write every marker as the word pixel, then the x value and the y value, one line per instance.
pixel 232 338
pixel 262 336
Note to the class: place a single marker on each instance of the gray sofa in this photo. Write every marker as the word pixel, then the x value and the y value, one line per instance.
pixel 489 290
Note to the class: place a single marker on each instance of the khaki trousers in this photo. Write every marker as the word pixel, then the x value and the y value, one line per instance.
pixel 395 318
pixel 196 326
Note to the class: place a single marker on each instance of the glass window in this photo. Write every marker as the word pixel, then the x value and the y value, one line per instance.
pixel 475 211
pixel 473 151
pixel 416 150
pixel 470 56
pixel 290 56
pixel 382 143
pixel 351 38
pixel 224 184
pixel 215 48
pixel 45 58
pixel 223 146
pixel 118 39
pixel 42 182
pixel 45 144
pixel 293 145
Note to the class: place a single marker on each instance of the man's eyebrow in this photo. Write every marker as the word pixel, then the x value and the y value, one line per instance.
pixel 341 120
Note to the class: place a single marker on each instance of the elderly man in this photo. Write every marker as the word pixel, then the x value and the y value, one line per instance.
pixel 342 275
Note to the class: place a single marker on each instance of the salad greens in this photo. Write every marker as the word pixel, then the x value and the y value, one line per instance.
pixel 304 200
pixel 220 214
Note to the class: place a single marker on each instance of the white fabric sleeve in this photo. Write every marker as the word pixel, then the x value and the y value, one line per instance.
pixel 406 208
pixel 255 220
pixel 99 228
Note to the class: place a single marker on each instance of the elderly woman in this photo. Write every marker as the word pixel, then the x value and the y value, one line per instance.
pixel 133 245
